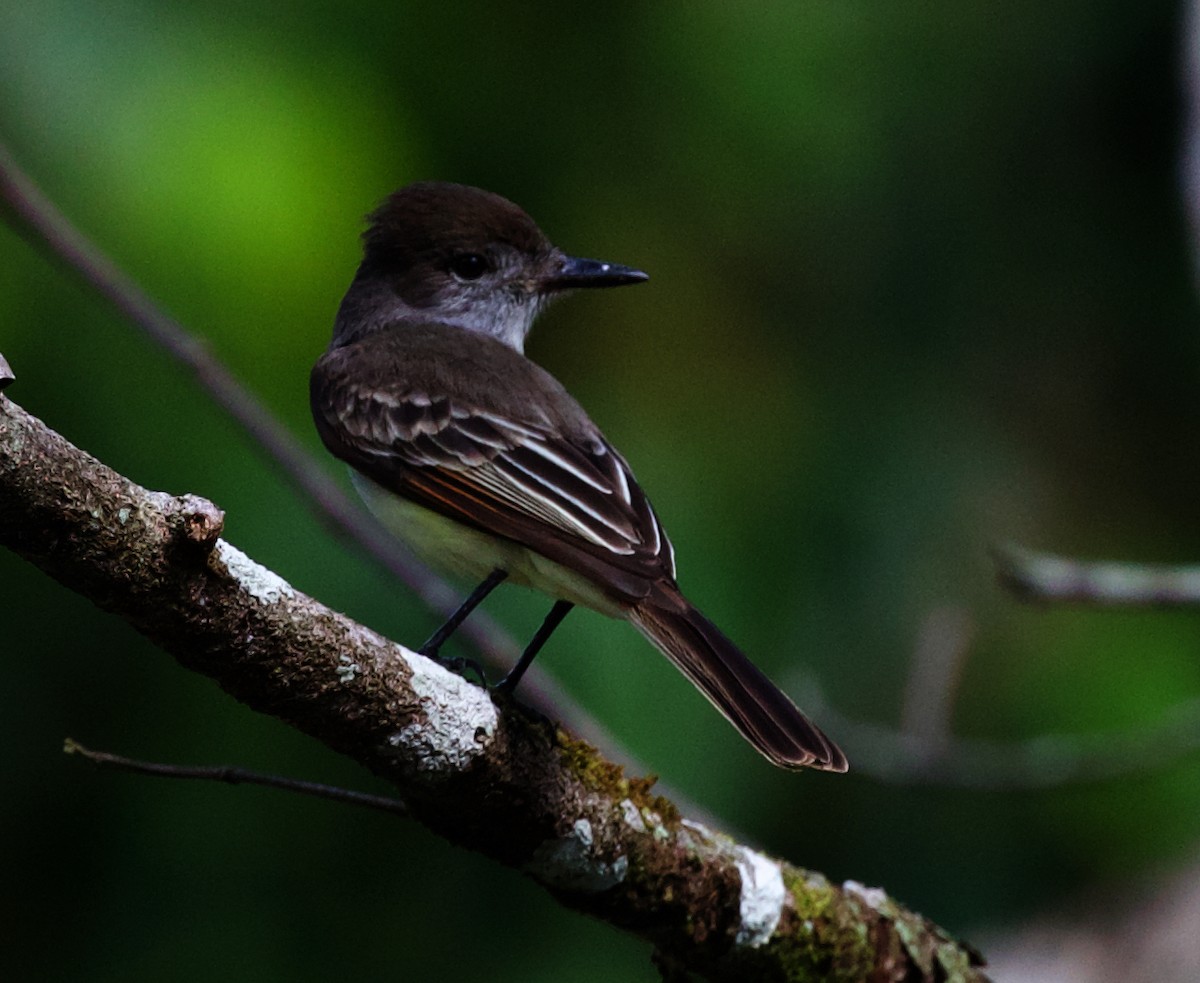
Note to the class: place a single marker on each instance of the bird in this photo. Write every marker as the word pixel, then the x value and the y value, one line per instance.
pixel 483 463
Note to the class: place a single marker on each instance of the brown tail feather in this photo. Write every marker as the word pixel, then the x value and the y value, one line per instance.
pixel 735 686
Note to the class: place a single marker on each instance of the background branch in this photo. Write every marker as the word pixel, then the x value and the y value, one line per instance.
pixel 493 777
pixel 1034 576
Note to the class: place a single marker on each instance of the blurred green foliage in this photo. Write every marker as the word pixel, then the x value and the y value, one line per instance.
pixel 921 283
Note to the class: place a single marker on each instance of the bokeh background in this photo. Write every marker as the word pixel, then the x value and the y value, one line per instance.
pixel 921 283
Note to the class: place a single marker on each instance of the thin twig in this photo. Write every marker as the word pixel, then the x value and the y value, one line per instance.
pixel 231 775
pixel 1045 577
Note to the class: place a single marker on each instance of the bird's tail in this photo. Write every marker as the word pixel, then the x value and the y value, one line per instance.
pixel 735 686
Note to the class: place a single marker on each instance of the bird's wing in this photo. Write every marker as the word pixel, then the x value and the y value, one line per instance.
pixel 572 499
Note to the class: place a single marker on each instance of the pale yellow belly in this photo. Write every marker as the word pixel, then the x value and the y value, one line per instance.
pixel 458 549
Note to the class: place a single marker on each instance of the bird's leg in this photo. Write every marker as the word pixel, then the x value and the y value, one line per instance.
pixel 434 642
pixel 553 619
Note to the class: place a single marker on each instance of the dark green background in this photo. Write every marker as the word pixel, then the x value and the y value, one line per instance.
pixel 921 283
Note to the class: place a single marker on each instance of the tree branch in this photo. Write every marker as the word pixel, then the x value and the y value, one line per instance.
pixel 486 773
pixel 1063 580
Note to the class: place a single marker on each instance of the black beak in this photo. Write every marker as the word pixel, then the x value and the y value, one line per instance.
pixel 573 273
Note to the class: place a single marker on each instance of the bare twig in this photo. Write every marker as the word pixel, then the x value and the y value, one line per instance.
pixel 1045 577
pixel 489 776
pixel 231 775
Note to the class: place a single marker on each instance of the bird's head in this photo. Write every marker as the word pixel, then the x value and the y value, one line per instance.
pixel 458 255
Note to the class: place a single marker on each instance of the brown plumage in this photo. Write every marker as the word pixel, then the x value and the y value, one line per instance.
pixel 483 461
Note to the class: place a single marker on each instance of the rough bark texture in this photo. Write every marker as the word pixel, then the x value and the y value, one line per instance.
pixel 486 774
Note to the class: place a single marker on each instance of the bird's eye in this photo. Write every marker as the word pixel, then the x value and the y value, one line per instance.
pixel 469 266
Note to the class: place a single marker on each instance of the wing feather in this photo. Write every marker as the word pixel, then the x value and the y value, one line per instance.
pixel 523 479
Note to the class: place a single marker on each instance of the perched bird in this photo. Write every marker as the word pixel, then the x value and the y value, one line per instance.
pixel 486 466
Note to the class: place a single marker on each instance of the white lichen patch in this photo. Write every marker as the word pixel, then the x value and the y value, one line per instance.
pixel 654 821
pixel 876 897
pixel 347 669
pixel 456 721
pixel 633 818
pixel 762 900
pixel 570 863
pixel 695 836
pixel 763 893
pixel 259 582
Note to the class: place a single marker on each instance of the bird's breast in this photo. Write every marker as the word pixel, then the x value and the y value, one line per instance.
pixel 458 549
